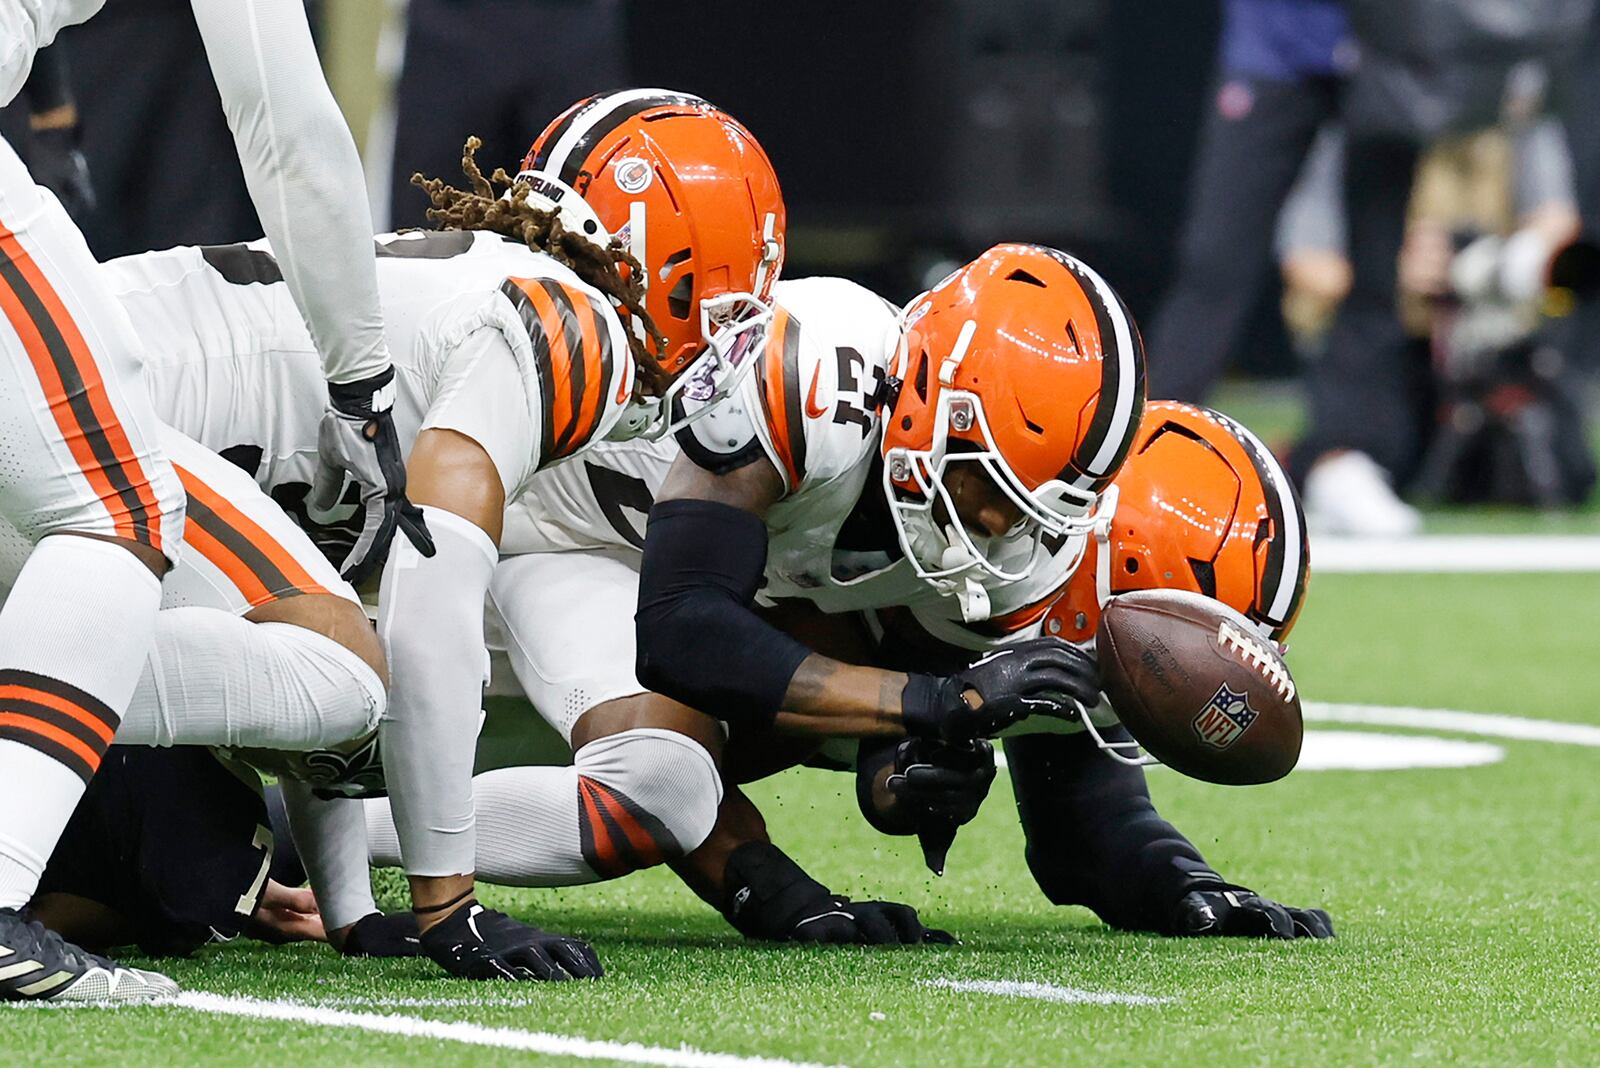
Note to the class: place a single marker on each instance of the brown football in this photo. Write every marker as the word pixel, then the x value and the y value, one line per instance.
pixel 1199 687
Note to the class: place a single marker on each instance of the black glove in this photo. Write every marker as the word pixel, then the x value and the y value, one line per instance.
pixel 1038 676
pixel 937 787
pixel 770 898
pixel 358 436
pixel 478 943
pixel 383 934
pixel 1233 911
pixel 56 163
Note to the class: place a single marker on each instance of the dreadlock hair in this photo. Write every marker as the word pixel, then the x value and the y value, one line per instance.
pixel 485 208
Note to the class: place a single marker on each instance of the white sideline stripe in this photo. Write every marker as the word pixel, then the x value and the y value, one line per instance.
pixel 1069 995
pixel 472 1034
pixel 1486 724
pixel 1456 553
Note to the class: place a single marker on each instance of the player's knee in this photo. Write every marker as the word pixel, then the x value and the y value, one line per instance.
pixel 645 796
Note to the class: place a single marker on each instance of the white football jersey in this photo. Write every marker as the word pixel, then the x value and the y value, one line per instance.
pixel 811 407
pixel 229 361
pixel 29 25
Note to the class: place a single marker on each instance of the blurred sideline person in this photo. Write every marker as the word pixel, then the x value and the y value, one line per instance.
pixel 498 68
pixel 86 481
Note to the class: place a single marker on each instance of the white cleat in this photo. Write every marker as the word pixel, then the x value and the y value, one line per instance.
pixel 1348 493
pixel 36 964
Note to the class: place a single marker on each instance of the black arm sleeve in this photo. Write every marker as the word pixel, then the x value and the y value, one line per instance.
pixel 47 85
pixel 699 641
pixel 1094 838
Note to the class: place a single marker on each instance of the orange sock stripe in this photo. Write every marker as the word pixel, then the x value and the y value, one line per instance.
pixel 82 411
pixel 599 850
pixel 91 722
pixel 250 557
pixel 643 841
pixel 29 724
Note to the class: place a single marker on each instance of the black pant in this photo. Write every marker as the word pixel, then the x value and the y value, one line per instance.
pixel 497 69
pixel 1361 393
pixel 163 163
pixel 1245 168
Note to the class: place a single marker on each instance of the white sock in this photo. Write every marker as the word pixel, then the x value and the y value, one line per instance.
pixel 527 821
pixel 216 679
pixel 74 634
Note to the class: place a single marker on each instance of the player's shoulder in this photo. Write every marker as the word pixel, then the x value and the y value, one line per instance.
pixel 820 376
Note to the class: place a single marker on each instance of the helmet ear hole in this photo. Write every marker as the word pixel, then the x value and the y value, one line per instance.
pixel 679 299
pixel 1131 565
pixel 920 382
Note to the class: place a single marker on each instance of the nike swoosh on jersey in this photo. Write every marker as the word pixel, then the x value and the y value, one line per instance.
pixel 813 409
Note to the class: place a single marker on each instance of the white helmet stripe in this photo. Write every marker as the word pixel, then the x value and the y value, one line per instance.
pixel 1293 532
pixel 1128 377
pixel 594 116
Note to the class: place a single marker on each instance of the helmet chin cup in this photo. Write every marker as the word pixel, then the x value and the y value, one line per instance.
pixel 733 326
pixel 549 193
pixel 1118 751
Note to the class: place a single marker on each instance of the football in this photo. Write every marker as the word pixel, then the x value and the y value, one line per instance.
pixel 1199 687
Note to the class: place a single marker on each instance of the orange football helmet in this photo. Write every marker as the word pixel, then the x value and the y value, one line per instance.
pixel 693 196
pixel 1200 505
pixel 1024 361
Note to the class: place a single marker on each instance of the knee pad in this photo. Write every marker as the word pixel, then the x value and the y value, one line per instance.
pixel 644 796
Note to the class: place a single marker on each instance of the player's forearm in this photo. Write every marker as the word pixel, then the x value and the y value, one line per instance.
pixel 331 838
pixel 303 173
pixel 833 699
pixel 431 624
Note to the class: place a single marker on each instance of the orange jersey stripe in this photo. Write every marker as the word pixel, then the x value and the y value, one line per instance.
pixel 236 545
pixel 100 729
pixel 562 402
pixel 780 395
pixel 142 515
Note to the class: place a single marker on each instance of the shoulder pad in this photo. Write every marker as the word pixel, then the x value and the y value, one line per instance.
pixel 724 439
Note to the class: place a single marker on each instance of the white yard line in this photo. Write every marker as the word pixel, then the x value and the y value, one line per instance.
pixel 473 1034
pixel 1457 553
pixel 1070 995
pixel 1484 724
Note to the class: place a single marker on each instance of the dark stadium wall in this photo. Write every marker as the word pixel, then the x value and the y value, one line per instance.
pixel 913 132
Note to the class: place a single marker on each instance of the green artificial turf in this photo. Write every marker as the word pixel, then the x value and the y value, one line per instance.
pixel 1466 902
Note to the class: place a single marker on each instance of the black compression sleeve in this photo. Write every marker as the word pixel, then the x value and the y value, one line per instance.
pixel 1094 838
pixel 699 641
pixel 47 85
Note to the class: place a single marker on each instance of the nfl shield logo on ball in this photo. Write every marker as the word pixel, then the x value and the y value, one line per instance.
pixel 1224 718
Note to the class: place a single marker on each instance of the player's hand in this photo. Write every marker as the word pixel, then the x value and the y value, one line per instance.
pixel 938 788
pixel 56 162
pixel 1041 676
pixel 1233 911
pixel 382 934
pixel 478 943
pixel 358 437
pixel 287 914
pixel 771 899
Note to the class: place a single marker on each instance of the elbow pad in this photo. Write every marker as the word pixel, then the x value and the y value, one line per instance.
pixel 699 642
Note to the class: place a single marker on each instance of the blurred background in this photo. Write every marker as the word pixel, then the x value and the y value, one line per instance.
pixel 1362 226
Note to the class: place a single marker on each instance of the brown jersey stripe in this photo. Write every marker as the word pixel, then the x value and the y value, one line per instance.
pixel 780 395
pixel 596 361
pixel 246 554
pixel 33 686
pixel 562 305
pixel 76 394
pixel 534 327
pixel 78 758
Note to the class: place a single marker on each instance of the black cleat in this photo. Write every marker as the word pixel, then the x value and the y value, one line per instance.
pixel 36 964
